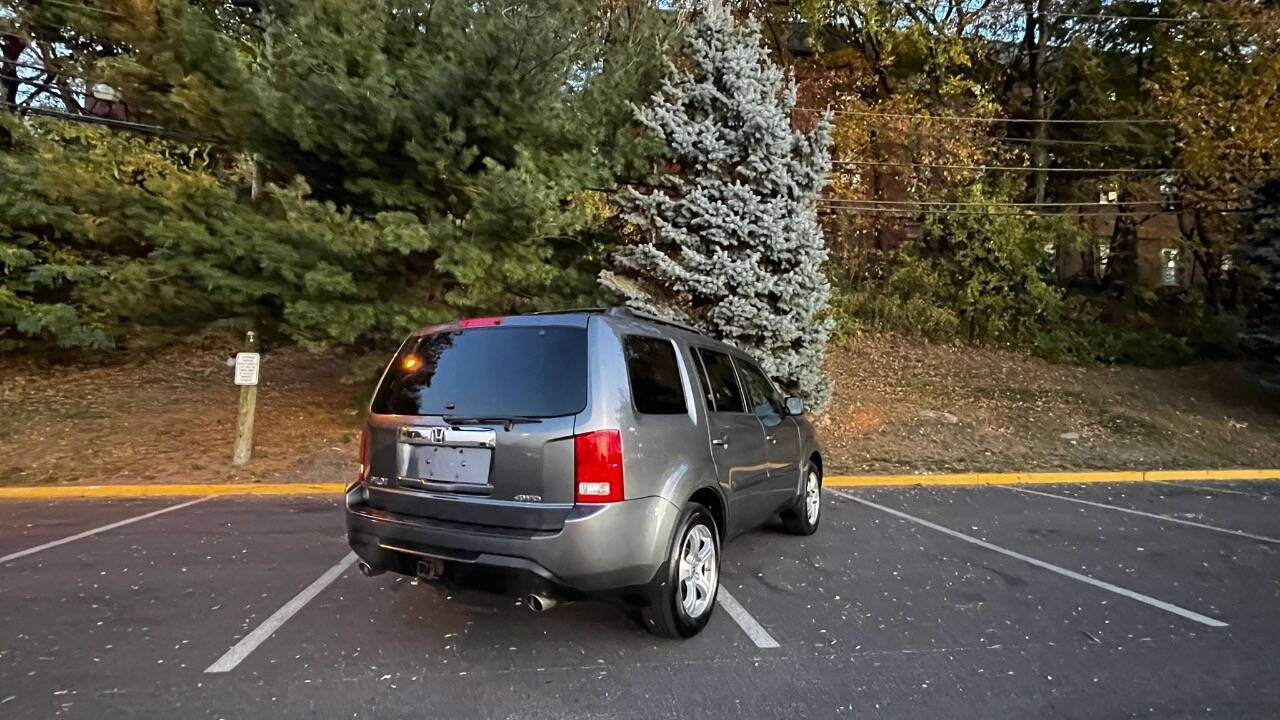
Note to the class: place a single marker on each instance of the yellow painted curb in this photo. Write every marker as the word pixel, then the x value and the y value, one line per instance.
pixel 37 492
pixel 1043 478
pixel 50 492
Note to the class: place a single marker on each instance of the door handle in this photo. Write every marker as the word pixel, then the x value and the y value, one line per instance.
pixel 722 442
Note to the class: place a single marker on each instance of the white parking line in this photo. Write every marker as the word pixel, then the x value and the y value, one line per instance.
pixel 1154 516
pixel 250 642
pixel 753 629
pixel 1125 592
pixel 95 531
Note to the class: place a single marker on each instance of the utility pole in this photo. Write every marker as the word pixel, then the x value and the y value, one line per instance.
pixel 247 364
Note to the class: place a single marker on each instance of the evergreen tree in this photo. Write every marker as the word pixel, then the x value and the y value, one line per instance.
pixel 729 240
pixel 106 235
pixel 414 162
pixel 1260 253
pixel 485 121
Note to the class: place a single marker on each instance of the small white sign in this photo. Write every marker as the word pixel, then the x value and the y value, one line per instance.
pixel 246 368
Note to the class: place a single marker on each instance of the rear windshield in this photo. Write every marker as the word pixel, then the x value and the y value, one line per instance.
pixel 488 372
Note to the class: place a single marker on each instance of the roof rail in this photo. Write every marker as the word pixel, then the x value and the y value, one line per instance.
pixel 623 311
pixel 571 311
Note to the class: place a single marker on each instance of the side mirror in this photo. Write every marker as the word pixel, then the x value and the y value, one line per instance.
pixel 795 405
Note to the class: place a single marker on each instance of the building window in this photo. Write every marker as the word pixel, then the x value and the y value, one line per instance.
pixel 1169 274
pixel 1103 255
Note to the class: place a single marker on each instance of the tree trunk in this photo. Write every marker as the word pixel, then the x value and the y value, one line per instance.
pixel 1036 39
pixel 11 49
pixel 1122 256
pixel 1211 263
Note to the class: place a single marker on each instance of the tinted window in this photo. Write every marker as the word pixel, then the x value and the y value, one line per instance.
pixel 722 383
pixel 761 395
pixel 655 376
pixel 486 372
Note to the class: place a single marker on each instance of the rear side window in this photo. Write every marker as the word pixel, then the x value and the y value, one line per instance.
pixel 488 372
pixel 761 395
pixel 656 388
pixel 722 382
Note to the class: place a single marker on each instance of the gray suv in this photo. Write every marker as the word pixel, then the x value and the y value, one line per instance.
pixel 596 452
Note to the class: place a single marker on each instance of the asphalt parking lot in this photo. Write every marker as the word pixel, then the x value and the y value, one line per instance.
pixel 1082 601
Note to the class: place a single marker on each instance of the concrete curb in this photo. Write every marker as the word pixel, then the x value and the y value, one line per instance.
pixel 53 492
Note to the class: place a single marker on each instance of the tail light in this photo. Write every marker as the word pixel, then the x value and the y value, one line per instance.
pixel 597 467
pixel 364 455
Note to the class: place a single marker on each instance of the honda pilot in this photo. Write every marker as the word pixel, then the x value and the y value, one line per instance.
pixel 582 453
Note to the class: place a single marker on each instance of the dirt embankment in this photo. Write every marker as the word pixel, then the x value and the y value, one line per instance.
pixel 905 406
pixel 900 406
pixel 171 418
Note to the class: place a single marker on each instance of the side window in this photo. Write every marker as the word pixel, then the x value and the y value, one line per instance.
pixel 655 376
pixel 761 395
pixel 723 393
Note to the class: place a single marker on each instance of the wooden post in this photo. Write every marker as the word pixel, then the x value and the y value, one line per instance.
pixel 248 404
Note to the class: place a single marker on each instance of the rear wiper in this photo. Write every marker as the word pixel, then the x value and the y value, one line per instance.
pixel 506 420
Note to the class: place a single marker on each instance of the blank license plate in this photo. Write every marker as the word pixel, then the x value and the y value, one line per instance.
pixel 432 463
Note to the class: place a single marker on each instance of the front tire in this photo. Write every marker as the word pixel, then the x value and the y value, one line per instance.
pixel 682 598
pixel 802 518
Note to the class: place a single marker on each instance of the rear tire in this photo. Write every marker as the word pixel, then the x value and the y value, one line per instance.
pixel 682 598
pixel 803 517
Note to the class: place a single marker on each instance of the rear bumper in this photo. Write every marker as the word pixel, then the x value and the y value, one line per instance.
pixel 600 547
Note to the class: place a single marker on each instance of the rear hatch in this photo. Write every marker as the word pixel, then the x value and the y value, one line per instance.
pixel 474 423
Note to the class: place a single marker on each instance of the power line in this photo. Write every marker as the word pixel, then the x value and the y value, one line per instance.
pixel 54 75
pixel 1047 141
pixel 1021 168
pixel 979 119
pixel 1085 143
pixel 32 81
pixel 905 214
pixel 98 120
pixel 93 119
pixel 1165 19
pixel 29 66
pixel 78 6
pixel 24 66
pixel 45 84
pixel 986 204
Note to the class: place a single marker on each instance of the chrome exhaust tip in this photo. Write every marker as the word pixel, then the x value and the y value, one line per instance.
pixel 539 603
pixel 368 570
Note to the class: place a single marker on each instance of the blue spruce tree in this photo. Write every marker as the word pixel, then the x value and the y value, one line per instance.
pixel 728 239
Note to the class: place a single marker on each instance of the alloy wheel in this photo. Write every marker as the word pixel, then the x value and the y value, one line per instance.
pixel 812 497
pixel 699 571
